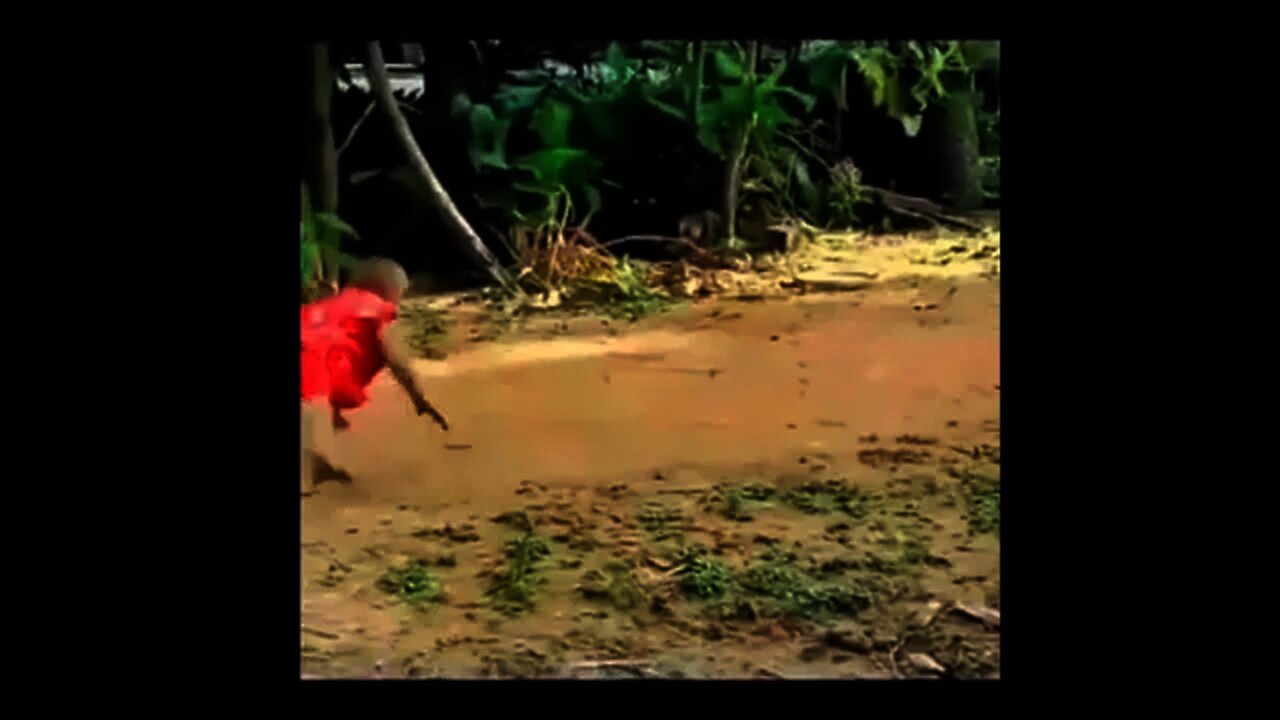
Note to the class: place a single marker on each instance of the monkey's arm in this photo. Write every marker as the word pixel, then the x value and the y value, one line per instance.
pixel 397 355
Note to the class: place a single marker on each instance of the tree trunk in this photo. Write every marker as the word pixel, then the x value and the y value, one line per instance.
pixel 732 177
pixel 320 158
pixel 463 234
pixel 699 78
pixel 738 153
pixel 842 99
pixel 319 154
pixel 964 169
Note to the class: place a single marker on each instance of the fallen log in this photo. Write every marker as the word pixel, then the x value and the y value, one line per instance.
pixel 913 206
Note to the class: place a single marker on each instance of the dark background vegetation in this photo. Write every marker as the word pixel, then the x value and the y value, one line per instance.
pixel 614 139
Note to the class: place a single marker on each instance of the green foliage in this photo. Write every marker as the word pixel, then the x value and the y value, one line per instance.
pixel 792 591
pixel 703 577
pixel 903 79
pixel 739 502
pixel 772 583
pixel 879 68
pixel 743 111
pixel 908 552
pixel 547 145
pixel 413 583
pixel 933 63
pixel 902 82
pixel 488 133
pixel 567 126
pixel 832 496
pixel 525 551
pixel 321 243
pixel 984 504
pixel 514 588
pixel 740 102
pixel 555 173
pixel 632 298
pixel 629 278
pixel 783 174
pixel 576 129
pixel 849 204
pixel 551 122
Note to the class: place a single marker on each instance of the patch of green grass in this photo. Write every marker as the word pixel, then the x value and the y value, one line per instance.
pixel 792 591
pixel 703 577
pixel 735 506
pixel 757 493
pixel 739 502
pixel 514 588
pixel 909 551
pixel 526 550
pixel 817 498
pixel 631 298
pixel 772 584
pixel 983 495
pixel 616 584
pixel 412 583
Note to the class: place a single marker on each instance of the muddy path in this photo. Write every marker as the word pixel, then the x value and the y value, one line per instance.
pixel 799 488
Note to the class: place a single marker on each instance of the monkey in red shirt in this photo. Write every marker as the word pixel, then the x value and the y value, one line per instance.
pixel 346 343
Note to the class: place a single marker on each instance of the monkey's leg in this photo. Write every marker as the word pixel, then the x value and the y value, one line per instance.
pixel 306 453
pixel 315 467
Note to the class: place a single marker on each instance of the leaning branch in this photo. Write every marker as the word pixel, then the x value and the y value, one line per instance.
pixel 463 234
pixel 919 207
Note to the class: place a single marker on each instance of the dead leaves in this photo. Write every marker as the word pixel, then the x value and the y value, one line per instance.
pixel 985 615
pixel 923 663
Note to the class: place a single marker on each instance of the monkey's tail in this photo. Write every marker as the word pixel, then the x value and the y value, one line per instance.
pixel 656 239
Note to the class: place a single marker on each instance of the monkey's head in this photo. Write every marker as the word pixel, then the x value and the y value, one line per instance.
pixel 381 276
pixel 692 228
pixel 702 228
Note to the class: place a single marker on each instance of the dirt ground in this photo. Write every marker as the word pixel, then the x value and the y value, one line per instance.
pixel 793 487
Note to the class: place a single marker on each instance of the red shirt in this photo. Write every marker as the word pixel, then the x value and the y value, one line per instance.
pixel 342 346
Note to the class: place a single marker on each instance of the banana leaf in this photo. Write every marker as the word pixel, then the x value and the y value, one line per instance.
pixel 551 123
